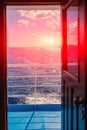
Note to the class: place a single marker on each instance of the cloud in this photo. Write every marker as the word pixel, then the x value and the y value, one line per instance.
pixel 51 17
pixel 38 14
pixel 23 22
pixel 73 25
pixel 33 24
pixel 54 24
pixel 73 28
pixel 72 32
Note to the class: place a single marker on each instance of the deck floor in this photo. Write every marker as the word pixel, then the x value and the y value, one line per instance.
pixel 34 120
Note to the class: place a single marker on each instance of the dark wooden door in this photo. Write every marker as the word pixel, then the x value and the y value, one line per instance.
pixel 74 60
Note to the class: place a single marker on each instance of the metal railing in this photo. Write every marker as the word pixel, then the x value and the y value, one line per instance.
pixel 41 83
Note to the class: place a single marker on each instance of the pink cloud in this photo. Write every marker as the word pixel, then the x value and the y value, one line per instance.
pixel 38 14
pixel 51 17
pixel 73 25
pixel 23 22
pixel 72 34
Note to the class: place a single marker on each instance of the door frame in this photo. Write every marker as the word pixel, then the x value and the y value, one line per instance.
pixel 81 81
pixel 69 81
pixel 3 50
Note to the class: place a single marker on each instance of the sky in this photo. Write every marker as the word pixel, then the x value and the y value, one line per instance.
pixel 37 27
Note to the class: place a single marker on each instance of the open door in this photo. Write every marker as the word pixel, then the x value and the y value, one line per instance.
pixel 74 66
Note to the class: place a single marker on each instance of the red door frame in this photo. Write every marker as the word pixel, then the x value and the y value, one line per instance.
pixel 3 52
pixel 81 82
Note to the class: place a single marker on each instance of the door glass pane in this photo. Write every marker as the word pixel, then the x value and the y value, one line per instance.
pixel 72 39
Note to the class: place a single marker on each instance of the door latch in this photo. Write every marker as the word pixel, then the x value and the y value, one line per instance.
pixel 79 101
pixel 76 101
pixel 82 101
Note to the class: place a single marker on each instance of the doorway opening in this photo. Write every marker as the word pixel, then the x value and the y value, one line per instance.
pixel 34 67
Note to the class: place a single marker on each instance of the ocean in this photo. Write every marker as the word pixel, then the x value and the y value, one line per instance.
pixel 34 75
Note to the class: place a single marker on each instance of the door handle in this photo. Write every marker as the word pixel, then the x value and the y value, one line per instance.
pixel 82 101
pixel 79 101
pixel 76 101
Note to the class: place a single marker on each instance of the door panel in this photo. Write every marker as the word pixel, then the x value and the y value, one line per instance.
pixel 74 74
pixel 81 117
pixel 66 108
pixel 70 108
pixel 72 40
pixel 75 117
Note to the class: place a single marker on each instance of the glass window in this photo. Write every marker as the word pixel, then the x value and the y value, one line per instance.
pixel 72 40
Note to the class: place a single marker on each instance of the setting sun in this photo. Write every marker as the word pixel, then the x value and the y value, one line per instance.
pixel 49 41
pixel 33 28
pixel 52 42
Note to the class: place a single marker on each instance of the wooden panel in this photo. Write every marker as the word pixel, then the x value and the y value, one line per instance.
pixel 70 79
pixel 3 87
pixel 86 61
pixel 66 107
pixel 64 40
pixel 75 117
pixel 63 106
pixel 35 2
pixel 70 108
